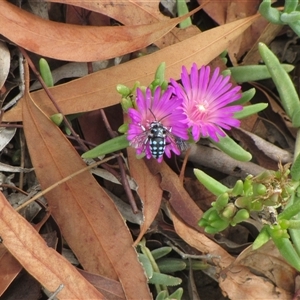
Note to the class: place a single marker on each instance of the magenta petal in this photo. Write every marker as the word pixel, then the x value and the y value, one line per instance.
pixel 162 107
pixel 206 100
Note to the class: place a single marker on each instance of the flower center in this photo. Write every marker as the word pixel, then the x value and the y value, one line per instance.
pixel 201 107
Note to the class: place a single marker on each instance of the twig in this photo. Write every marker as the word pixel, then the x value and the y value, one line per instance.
pixel 60 287
pixel 56 184
pixel 121 165
pixel 21 84
pixel 40 79
pixel 207 257
pixel 183 167
pixel 22 159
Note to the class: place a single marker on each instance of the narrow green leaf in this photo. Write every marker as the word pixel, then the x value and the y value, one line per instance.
pixel 210 183
pixel 246 97
pixel 254 72
pixel 286 249
pixel 234 150
pixel 291 17
pixel 285 87
pixel 182 9
pixel 176 295
pixel 170 265
pixel 110 146
pixel 46 72
pixel 161 252
pixel 295 169
pixel 164 279
pixel 290 5
pixel 250 110
pixel 146 264
pixel 269 12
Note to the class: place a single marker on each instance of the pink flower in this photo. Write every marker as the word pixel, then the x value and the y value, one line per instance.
pixel 206 102
pixel 158 113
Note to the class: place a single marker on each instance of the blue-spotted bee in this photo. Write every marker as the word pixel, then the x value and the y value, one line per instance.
pixel 158 136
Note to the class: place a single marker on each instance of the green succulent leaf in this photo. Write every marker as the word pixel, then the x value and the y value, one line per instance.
pixel 170 265
pixel 182 9
pixel 146 264
pixel 161 252
pixel 231 148
pixel 176 295
pixel 295 169
pixel 210 183
pixel 110 146
pixel 164 279
pixel 285 87
pixel 254 72
pixel 46 72
pixel 250 110
pixel 290 5
pixel 246 97
pixel 269 12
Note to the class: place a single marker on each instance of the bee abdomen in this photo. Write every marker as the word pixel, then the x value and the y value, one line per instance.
pixel 157 146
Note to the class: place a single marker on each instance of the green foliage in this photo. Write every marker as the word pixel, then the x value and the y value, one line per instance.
pixel 289 16
pixel 231 148
pixel 46 72
pixel 158 267
pixel 254 72
pixel 110 146
pixel 285 87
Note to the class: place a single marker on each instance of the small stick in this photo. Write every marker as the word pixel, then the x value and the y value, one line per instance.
pixel 121 165
pixel 60 287
pixel 51 187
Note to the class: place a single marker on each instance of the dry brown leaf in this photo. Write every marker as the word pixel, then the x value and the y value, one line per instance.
pixel 268 261
pixel 9 266
pixel 89 220
pixel 42 262
pixel 127 12
pixel 98 90
pixel 227 11
pixel 180 200
pixel 111 289
pixel 267 35
pixel 239 283
pixel 134 13
pixel 149 190
pixel 73 42
pixel 9 269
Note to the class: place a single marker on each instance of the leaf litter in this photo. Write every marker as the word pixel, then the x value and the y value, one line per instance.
pixel 92 226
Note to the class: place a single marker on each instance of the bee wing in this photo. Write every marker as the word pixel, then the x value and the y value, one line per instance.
pixel 140 140
pixel 181 144
pixel 177 141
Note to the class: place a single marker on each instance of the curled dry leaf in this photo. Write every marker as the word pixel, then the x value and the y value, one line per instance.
pixel 149 190
pixel 238 282
pixel 134 13
pixel 4 63
pixel 87 217
pixel 77 43
pixel 111 289
pixel 8 265
pixel 268 261
pixel 126 12
pixel 99 89
pixel 42 262
pixel 180 200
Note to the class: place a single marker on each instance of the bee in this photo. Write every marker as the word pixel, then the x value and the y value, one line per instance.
pixel 157 136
